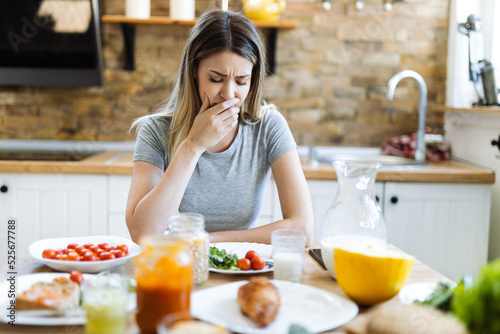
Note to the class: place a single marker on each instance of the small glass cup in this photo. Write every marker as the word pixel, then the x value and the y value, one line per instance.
pixel 183 323
pixel 104 300
pixel 288 254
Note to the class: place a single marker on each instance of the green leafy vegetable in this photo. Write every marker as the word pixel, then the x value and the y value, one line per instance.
pixel 220 259
pixel 478 305
pixel 440 298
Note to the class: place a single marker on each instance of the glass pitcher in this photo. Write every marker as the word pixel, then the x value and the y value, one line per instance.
pixel 354 216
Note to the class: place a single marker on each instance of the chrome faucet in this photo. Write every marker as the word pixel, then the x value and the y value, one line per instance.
pixel 422 107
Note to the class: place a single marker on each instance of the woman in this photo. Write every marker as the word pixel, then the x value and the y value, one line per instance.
pixel 212 147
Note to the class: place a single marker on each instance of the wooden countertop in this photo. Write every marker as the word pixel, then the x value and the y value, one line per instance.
pixel 312 274
pixel 120 163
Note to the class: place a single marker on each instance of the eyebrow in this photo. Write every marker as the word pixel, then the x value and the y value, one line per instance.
pixel 225 75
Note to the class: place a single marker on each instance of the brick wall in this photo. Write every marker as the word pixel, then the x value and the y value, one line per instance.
pixel 330 82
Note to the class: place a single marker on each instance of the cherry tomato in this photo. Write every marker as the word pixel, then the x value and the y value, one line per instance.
pixel 123 248
pixel 258 263
pixel 65 251
pixel 89 256
pixel 49 254
pixel 118 253
pixel 99 252
pixel 76 277
pixel 72 246
pixel 244 264
pixel 107 256
pixel 94 248
pixel 251 254
pixel 73 256
pixel 80 249
pixel 58 252
pixel 109 248
pixel 88 246
pixel 103 245
pixel 63 257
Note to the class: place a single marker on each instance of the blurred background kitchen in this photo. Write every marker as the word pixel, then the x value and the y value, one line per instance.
pixel 329 78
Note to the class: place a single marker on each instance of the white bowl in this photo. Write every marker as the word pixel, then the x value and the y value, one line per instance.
pixel 36 249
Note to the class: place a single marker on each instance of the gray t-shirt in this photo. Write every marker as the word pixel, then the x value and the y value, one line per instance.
pixel 227 188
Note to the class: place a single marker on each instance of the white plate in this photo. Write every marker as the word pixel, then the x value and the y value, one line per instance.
pixel 240 249
pixel 416 292
pixel 25 282
pixel 315 309
pixel 36 249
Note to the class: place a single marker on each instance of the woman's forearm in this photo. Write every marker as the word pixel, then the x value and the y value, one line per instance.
pixel 150 213
pixel 262 234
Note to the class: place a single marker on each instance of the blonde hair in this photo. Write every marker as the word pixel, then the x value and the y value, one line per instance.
pixel 216 31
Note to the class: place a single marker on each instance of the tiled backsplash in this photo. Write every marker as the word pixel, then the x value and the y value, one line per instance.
pixel 330 79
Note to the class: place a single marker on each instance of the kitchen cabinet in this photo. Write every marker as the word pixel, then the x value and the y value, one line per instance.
pixel 444 225
pixel 118 188
pixel 53 205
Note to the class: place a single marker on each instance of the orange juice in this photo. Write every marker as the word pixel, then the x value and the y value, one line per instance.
pixel 164 276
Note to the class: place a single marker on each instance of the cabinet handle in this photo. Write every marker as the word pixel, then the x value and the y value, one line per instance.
pixel 4 189
pixel 377 198
pixel 394 199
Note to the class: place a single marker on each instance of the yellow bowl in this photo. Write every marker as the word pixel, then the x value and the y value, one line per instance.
pixel 371 276
pixel 263 10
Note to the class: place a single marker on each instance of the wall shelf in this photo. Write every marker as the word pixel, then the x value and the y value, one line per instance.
pixel 477 109
pixel 128 27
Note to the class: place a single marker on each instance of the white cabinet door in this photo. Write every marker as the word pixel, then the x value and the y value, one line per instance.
pixel 54 205
pixel 119 186
pixel 323 193
pixel 443 225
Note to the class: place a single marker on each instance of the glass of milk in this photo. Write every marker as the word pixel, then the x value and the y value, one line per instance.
pixel 288 254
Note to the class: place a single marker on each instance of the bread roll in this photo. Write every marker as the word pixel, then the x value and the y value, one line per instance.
pixel 259 300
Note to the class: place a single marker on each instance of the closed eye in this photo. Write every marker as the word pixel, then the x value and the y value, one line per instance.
pixel 216 81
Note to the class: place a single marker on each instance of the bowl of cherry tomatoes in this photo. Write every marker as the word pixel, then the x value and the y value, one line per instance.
pixel 91 254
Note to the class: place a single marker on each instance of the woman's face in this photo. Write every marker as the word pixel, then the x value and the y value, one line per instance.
pixel 224 76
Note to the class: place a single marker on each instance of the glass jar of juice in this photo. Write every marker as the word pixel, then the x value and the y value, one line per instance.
pixel 164 275
pixel 191 227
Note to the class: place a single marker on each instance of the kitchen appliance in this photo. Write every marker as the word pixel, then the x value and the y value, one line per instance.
pixel 50 43
pixel 483 70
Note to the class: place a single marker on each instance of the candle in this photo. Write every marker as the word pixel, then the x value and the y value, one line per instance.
pixel 182 9
pixel 139 9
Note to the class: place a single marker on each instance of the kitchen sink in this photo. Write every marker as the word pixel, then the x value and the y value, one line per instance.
pixel 45 155
pixel 385 160
pixel 325 154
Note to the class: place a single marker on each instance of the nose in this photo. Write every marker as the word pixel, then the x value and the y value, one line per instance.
pixel 227 91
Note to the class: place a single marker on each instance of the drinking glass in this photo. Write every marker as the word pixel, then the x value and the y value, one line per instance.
pixel 288 254
pixel 104 300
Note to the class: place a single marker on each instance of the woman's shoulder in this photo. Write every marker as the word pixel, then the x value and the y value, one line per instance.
pixel 273 116
pixel 156 123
